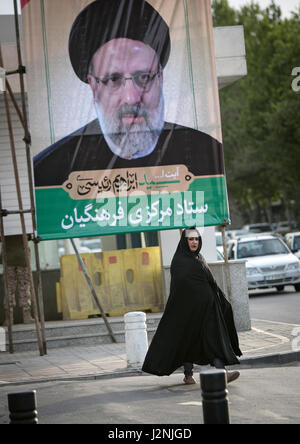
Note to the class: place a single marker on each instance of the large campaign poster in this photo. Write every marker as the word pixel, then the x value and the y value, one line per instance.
pixel 124 116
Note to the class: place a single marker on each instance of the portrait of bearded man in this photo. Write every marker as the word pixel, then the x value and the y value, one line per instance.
pixel 120 48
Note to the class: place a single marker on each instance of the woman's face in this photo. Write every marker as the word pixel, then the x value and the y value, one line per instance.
pixel 193 241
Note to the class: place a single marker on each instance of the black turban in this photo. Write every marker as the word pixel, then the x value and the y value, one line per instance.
pixel 104 20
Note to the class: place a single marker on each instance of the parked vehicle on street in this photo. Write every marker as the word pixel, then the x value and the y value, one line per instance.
pixel 219 241
pixel 258 228
pixel 293 242
pixel 269 262
pixel 285 227
pixel 92 243
pixel 236 233
pixel 220 256
pixel 86 245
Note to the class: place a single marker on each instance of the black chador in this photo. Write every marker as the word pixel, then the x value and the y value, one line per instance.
pixel 197 325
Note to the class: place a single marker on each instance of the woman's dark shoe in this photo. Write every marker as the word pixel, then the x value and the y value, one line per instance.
pixel 232 376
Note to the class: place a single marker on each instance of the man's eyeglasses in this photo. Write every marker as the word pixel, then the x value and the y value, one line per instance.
pixel 142 80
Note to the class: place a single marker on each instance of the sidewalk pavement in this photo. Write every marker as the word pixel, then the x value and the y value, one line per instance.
pixel 267 343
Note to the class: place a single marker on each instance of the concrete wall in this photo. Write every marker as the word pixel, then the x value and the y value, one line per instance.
pixel 239 290
pixel 230 54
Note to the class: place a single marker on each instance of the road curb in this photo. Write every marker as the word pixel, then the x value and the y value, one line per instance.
pixel 88 377
pixel 271 359
pixel 275 359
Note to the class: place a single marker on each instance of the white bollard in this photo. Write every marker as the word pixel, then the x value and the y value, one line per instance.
pixel 136 339
pixel 2 340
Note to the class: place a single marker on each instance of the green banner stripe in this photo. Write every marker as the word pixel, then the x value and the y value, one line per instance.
pixel 59 216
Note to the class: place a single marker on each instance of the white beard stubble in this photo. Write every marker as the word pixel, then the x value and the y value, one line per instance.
pixel 138 140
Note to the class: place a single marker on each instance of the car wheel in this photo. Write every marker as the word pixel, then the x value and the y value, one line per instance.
pixel 297 287
pixel 280 288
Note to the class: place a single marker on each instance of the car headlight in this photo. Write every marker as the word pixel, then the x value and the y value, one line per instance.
pixel 251 271
pixel 294 267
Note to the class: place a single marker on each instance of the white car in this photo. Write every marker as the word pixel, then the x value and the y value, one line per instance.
pixel 219 242
pixel 269 262
pixel 258 228
pixel 293 242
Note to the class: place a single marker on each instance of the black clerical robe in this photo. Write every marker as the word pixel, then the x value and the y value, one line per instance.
pixel 86 149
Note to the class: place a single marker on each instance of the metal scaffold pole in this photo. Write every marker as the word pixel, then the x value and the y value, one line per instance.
pixel 40 337
pixel 22 220
pixel 8 307
pixel 227 269
pixel 93 292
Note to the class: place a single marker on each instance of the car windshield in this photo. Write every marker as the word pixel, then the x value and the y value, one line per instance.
pixel 296 245
pixel 261 247
pixel 219 241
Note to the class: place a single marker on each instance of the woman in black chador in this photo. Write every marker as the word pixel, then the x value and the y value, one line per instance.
pixel 197 325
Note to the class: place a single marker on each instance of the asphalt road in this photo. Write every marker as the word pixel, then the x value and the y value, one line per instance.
pixel 261 396
pixel 268 395
pixel 275 306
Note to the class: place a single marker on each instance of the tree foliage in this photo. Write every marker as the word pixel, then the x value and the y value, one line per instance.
pixel 260 113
